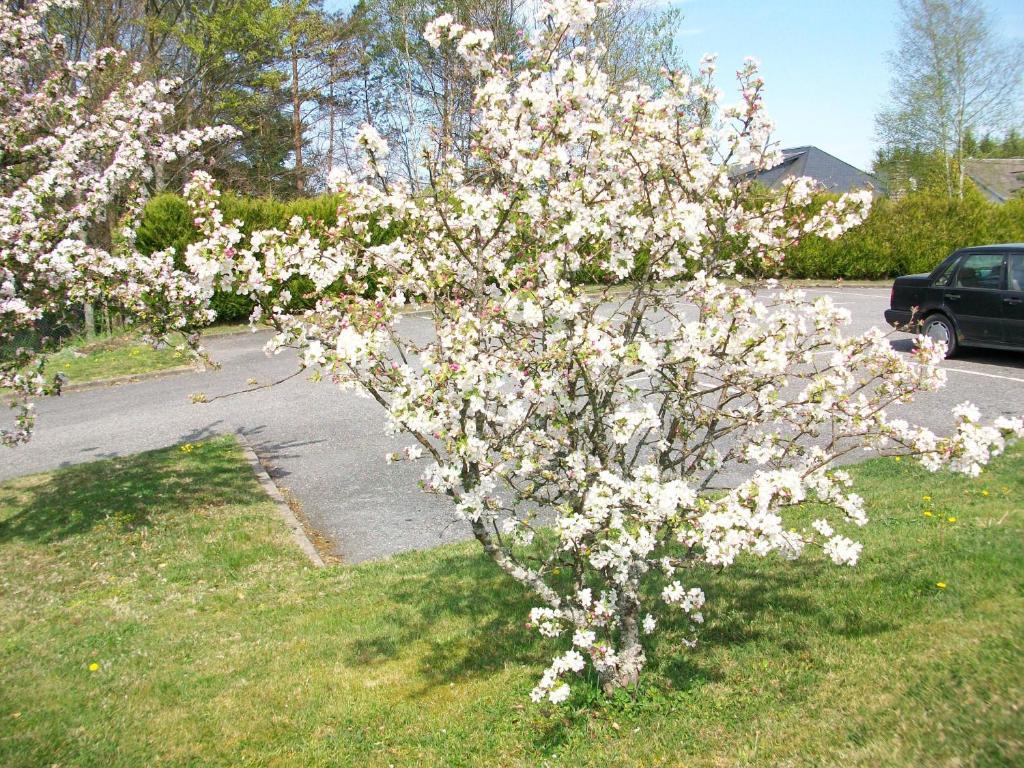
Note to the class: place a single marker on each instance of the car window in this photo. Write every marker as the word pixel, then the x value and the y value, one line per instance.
pixel 946 274
pixel 1016 272
pixel 981 270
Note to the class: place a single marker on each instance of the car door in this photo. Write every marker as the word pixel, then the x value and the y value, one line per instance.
pixel 933 296
pixel 975 297
pixel 1013 300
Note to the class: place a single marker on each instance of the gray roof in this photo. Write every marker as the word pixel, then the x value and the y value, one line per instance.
pixel 832 173
pixel 999 179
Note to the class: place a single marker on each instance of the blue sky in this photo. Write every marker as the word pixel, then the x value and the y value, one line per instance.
pixel 824 61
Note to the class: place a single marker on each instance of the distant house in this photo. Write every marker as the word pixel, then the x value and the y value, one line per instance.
pixel 998 179
pixel 832 173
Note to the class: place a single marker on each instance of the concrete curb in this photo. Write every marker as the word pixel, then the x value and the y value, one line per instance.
pixel 270 488
pixel 131 378
pixel 867 284
pixel 243 330
pixel 128 378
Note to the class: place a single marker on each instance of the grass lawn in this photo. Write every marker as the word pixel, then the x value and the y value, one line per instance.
pixel 154 612
pixel 110 357
pixel 119 355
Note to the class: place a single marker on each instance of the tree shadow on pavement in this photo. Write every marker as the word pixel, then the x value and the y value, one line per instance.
pixel 97 453
pixel 270 452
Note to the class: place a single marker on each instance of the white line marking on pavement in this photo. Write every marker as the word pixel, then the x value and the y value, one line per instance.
pixel 951 370
pixel 850 294
pixel 703 381
pixel 986 375
pixel 640 377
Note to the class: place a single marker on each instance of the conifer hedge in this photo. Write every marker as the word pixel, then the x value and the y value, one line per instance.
pixel 905 236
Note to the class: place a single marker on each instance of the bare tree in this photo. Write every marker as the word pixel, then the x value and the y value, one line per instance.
pixel 952 76
pixel 423 97
pixel 638 38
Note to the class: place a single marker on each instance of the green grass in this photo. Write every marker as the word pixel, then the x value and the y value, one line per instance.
pixel 111 357
pixel 123 354
pixel 217 644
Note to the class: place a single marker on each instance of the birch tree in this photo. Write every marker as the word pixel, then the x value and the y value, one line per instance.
pixel 952 75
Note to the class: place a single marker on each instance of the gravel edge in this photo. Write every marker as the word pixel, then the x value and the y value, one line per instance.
pixel 270 488
pixel 128 378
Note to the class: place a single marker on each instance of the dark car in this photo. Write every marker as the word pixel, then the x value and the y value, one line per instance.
pixel 975 298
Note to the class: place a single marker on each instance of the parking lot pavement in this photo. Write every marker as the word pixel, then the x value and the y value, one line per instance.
pixel 969 373
pixel 327 448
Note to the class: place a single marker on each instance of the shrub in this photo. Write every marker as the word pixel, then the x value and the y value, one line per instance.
pixel 901 237
pixel 906 236
pixel 167 223
pixel 576 431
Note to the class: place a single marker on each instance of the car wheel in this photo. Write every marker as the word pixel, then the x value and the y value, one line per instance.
pixel 939 328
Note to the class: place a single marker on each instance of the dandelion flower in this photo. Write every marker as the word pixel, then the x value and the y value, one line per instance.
pixel 984 493
pixel 94 667
pixel 926 498
pixel 951 519
pixel 940 584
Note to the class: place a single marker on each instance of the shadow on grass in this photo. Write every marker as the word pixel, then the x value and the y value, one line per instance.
pixel 757 610
pixel 132 491
pixel 757 600
pixel 466 619
pixel 454 588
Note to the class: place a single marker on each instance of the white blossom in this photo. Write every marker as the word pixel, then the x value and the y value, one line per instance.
pixel 81 140
pixel 823 527
pixel 650 624
pixel 602 411
pixel 843 551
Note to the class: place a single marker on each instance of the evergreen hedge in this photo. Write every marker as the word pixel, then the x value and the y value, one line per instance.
pixel 167 223
pixel 908 236
pixel 905 236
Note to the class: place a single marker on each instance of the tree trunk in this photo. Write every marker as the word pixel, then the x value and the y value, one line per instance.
pixel 90 320
pixel 330 130
pixel 525 576
pixel 960 173
pixel 960 152
pixel 948 167
pixel 300 182
pixel 630 651
pixel 412 129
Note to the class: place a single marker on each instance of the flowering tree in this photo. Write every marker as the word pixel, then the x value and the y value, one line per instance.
pixel 78 144
pixel 578 429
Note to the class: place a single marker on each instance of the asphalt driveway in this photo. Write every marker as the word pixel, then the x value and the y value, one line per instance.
pixel 327 448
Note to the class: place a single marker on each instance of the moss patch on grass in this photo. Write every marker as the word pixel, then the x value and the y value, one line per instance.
pixel 154 612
